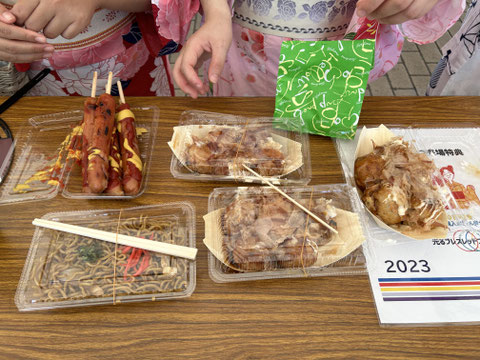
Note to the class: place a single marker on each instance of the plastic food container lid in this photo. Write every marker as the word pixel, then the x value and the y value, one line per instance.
pixel 66 270
pixel 254 233
pixel 46 152
pixel 210 146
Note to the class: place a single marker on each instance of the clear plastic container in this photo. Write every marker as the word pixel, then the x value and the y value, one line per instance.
pixel 66 270
pixel 210 146
pixel 44 157
pixel 452 150
pixel 254 233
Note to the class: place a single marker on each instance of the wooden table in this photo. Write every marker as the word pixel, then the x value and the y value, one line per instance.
pixel 331 317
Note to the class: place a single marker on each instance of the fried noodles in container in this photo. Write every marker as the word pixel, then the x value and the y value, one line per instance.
pixel 67 270
pixel 255 233
pixel 212 146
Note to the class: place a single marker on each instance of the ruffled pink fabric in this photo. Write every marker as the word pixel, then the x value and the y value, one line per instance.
pixel 108 48
pixel 173 17
pixel 388 48
pixel 434 24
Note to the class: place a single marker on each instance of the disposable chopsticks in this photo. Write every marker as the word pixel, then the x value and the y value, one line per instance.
pixel 290 199
pixel 155 246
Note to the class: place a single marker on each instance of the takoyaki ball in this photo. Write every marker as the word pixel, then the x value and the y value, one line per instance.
pixel 391 204
pixel 368 169
pixel 424 212
pixel 368 198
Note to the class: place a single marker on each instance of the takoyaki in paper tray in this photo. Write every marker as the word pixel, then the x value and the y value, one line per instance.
pixel 255 233
pixel 405 179
pixel 212 146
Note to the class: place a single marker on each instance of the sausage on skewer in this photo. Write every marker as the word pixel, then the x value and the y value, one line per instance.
pixel 131 162
pixel 88 127
pixel 99 149
pixel 114 186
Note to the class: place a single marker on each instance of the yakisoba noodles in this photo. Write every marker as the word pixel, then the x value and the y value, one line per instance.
pixel 79 268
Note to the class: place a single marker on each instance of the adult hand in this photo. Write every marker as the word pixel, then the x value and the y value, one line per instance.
pixel 394 11
pixel 18 44
pixel 55 17
pixel 211 40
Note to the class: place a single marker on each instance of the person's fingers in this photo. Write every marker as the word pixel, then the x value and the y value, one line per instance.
pixel 57 26
pixel 181 80
pixel 365 7
pixel 390 8
pixel 414 11
pixel 20 51
pixel 204 57
pixel 219 54
pixel 13 32
pixel 71 31
pixel 22 58
pixel 23 9
pixel 40 17
pixel 74 29
pixel 6 16
pixel 189 63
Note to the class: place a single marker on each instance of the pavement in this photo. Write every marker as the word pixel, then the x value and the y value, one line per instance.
pixel 409 77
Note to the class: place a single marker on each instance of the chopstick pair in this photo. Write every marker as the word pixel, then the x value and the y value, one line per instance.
pixel 155 246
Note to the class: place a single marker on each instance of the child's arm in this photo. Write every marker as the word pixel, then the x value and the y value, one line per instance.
pixel 211 40
pixel 18 44
pixel 394 11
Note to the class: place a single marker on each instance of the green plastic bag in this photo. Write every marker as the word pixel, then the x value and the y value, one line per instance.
pixel 322 84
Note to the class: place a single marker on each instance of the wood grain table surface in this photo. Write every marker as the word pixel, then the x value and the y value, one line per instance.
pixel 307 318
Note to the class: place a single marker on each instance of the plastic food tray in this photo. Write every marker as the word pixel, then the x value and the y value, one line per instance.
pixel 247 140
pixel 43 164
pixel 65 270
pixel 342 196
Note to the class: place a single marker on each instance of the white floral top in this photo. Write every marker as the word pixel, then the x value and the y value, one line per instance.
pixel 306 19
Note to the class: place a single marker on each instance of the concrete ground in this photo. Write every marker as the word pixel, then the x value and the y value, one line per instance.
pixel 408 78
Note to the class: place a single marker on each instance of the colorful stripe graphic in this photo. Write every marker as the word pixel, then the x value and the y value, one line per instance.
pixel 428 289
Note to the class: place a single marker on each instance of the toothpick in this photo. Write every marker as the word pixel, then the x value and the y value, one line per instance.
pixel 108 88
pixel 290 199
pixel 120 92
pixel 94 85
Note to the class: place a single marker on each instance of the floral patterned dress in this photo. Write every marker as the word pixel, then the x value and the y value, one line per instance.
pixel 252 61
pixel 123 43
pixel 458 71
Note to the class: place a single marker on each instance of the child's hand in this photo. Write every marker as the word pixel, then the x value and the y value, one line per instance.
pixel 394 11
pixel 55 17
pixel 211 40
pixel 18 44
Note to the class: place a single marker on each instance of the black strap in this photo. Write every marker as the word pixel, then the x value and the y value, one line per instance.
pixel 24 89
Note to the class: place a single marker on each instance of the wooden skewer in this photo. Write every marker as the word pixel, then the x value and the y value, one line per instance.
pixel 94 85
pixel 156 246
pixel 290 199
pixel 120 92
pixel 108 88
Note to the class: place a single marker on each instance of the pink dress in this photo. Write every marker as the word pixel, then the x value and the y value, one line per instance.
pixel 121 42
pixel 252 61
